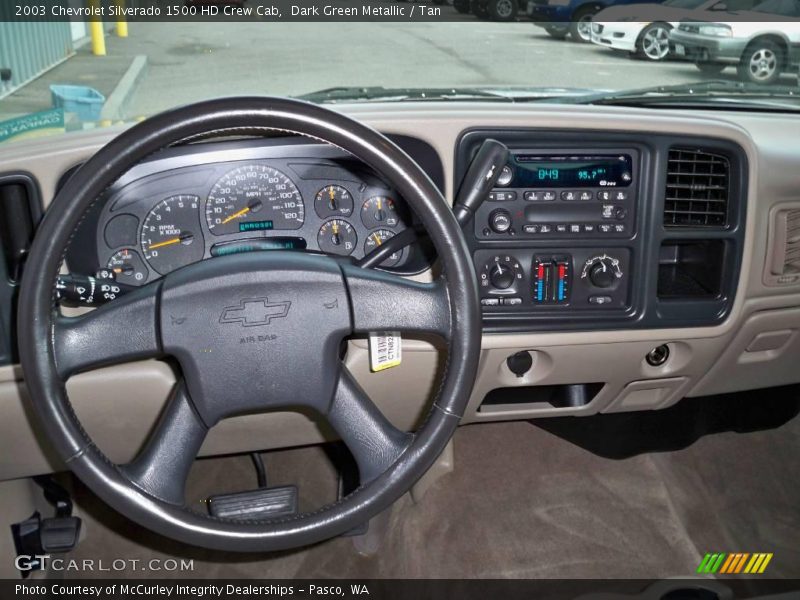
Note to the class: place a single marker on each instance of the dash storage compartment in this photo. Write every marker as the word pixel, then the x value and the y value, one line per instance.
pixel 505 399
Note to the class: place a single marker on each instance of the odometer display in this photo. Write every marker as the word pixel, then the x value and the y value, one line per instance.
pixel 254 198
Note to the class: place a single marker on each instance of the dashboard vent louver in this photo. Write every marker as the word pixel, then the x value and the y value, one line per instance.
pixel 697 189
pixel 786 246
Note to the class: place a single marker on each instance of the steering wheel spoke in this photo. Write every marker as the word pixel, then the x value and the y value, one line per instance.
pixel 162 467
pixel 373 441
pixel 117 332
pixel 384 302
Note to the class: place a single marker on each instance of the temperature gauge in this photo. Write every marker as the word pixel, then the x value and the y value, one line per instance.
pixel 375 239
pixel 337 236
pixel 128 267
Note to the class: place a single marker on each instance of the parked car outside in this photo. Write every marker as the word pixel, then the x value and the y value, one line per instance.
pixel 643 29
pixel 498 10
pixel 573 17
pixel 760 50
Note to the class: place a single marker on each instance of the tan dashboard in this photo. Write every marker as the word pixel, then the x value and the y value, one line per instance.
pixel 755 345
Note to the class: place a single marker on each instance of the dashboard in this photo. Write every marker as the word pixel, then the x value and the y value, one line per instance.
pixel 194 202
pixel 717 294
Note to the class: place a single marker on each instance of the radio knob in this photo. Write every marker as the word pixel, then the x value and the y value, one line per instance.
pixel 501 276
pixel 602 275
pixel 500 220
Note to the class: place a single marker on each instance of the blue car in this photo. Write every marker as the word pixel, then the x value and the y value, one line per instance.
pixel 573 17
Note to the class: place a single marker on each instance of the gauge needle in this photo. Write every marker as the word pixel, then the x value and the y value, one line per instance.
pixel 176 240
pixel 377 239
pixel 236 215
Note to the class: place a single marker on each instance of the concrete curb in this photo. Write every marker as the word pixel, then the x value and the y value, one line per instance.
pixel 117 102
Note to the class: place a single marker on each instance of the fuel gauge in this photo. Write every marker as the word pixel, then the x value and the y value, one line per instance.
pixel 128 267
pixel 337 236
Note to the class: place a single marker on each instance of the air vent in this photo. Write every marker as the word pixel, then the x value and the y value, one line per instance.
pixel 785 247
pixel 697 189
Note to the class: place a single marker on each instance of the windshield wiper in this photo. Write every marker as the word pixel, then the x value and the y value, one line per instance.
pixel 384 94
pixel 719 94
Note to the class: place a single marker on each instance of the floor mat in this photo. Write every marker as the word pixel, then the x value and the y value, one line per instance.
pixel 520 503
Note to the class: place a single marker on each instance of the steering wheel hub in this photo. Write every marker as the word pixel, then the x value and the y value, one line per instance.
pixel 256 331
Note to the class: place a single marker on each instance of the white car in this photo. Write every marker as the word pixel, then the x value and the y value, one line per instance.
pixel 760 50
pixel 643 29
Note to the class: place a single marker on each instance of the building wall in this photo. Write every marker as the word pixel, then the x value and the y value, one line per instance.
pixel 29 49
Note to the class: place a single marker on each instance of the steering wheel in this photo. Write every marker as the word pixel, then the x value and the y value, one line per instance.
pixel 307 306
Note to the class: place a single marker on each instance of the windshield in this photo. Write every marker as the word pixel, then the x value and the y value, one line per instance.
pixel 786 8
pixel 74 73
pixel 688 4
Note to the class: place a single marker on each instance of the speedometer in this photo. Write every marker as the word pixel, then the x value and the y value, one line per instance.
pixel 254 198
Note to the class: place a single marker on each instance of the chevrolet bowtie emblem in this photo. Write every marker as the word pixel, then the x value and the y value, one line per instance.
pixel 252 312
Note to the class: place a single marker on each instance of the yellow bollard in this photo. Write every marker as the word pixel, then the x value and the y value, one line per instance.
pixel 96 31
pixel 122 24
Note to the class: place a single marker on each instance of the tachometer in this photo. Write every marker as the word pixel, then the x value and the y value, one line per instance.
pixel 171 234
pixel 254 198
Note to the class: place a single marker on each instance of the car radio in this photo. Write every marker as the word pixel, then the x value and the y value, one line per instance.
pixel 562 195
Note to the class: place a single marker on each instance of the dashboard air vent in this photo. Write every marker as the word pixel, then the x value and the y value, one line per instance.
pixel 785 247
pixel 697 189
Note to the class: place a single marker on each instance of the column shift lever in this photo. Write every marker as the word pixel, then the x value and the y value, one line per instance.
pixel 478 181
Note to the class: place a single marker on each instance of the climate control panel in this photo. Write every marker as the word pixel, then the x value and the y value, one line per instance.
pixel 554 279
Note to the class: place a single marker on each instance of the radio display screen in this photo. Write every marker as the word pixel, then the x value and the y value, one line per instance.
pixel 559 171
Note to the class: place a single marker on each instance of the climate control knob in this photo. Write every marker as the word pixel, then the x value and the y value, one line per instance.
pixel 501 276
pixel 602 276
pixel 500 220
pixel 602 271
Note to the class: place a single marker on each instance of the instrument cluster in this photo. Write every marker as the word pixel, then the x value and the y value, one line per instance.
pixel 195 204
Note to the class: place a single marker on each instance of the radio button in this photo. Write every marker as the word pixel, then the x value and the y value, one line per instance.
pixel 586 195
pixel 502 196
pixel 505 177
pixel 575 228
pixel 604 195
pixel 545 228
pixel 620 195
pixel 599 300
pixel 532 196
pixel 569 196
pixel 605 228
pixel 500 220
pixel 608 211
pixel 619 228
pixel 512 301
pixel 530 228
pixel 561 228
pixel 589 227
pixel 548 196
pixel 490 301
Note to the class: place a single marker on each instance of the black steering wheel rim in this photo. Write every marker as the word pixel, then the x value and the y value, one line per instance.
pixel 37 316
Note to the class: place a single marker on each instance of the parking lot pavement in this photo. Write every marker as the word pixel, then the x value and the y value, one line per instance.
pixel 212 59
